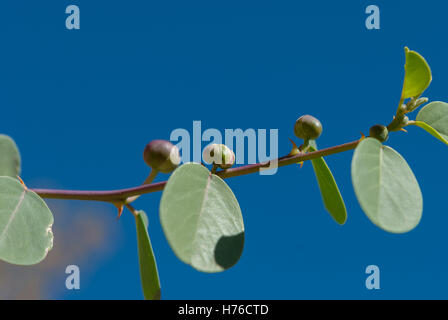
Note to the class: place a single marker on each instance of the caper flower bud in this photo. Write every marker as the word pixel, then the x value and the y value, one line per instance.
pixel 307 127
pixel 219 155
pixel 379 132
pixel 161 155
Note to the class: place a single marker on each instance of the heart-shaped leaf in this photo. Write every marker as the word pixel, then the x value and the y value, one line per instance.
pixel 434 118
pixel 9 157
pixel 386 187
pixel 149 275
pixel 417 75
pixel 201 219
pixel 328 188
pixel 25 224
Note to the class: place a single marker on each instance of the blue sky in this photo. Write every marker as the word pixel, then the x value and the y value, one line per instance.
pixel 82 104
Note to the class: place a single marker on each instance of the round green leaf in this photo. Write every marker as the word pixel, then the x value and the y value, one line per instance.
pixel 25 224
pixel 417 75
pixel 149 275
pixel 201 219
pixel 328 188
pixel 9 157
pixel 434 118
pixel 386 187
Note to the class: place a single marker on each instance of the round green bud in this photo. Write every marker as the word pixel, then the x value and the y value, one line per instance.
pixel 379 132
pixel 403 109
pixel 307 127
pixel 161 155
pixel 219 155
pixel 405 121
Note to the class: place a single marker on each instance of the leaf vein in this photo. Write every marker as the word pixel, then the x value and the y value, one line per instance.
pixel 13 214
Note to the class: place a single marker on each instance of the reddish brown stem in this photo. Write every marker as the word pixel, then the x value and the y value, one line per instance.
pixel 121 195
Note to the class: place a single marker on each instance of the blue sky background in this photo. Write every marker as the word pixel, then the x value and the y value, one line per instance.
pixel 82 104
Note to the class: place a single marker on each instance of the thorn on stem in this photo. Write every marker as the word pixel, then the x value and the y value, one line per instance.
pixel 362 136
pixel 295 150
pixel 120 207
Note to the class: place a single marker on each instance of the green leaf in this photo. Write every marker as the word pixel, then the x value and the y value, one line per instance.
pixel 432 131
pixel 25 224
pixel 144 217
pixel 328 188
pixel 417 75
pixel 201 219
pixel 9 157
pixel 434 118
pixel 148 267
pixel 386 187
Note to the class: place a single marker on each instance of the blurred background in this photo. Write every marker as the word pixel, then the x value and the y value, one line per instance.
pixel 82 104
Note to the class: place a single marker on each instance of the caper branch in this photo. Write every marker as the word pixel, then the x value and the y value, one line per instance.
pixel 197 192
pixel 122 194
pixel 163 156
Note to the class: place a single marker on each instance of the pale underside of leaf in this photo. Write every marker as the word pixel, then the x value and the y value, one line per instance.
pixel 201 219
pixel 9 157
pixel 25 224
pixel 386 188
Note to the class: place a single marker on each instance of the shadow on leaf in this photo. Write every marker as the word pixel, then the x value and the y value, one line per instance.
pixel 228 250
